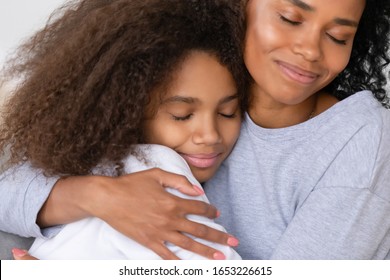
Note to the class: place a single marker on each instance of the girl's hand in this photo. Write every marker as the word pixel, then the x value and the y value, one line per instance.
pixel 138 206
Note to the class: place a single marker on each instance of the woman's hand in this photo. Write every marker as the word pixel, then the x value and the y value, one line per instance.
pixel 138 206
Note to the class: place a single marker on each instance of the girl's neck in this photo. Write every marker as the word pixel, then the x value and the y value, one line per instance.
pixel 267 113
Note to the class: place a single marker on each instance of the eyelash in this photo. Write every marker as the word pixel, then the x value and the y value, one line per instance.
pixel 177 118
pixel 337 41
pixel 232 116
pixel 296 23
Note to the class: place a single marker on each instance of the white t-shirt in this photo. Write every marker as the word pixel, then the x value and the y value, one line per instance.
pixel 94 239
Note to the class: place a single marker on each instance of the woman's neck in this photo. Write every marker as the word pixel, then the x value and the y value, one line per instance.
pixel 268 113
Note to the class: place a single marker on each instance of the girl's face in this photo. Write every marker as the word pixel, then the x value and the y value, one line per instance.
pixel 199 117
pixel 294 48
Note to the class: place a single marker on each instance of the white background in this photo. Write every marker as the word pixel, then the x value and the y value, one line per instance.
pixel 19 19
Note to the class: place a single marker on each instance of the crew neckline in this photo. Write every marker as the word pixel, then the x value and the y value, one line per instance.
pixel 310 126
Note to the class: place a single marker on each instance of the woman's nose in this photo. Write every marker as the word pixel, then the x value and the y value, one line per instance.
pixel 308 45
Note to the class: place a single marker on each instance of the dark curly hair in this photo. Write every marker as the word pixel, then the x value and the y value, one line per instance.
pixel 370 55
pixel 86 78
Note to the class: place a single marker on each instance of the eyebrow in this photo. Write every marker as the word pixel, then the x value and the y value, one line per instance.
pixel 347 22
pixel 302 5
pixel 192 100
pixel 178 98
pixel 306 7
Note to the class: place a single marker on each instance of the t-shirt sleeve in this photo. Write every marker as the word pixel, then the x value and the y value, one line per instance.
pixel 338 223
pixel 346 216
pixel 23 191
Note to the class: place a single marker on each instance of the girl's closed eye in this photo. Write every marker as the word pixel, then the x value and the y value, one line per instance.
pixel 229 113
pixel 181 117
pixel 228 116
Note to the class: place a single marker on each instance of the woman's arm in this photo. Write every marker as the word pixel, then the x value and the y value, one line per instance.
pixel 116 201
pixel 23 191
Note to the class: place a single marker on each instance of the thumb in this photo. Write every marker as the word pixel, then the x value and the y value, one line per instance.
pixel 20 254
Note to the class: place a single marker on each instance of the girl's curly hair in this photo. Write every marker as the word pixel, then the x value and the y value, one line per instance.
pixel 86 78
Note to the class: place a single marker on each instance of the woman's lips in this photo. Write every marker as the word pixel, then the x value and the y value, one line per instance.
pixel 297 74
pixel 201 160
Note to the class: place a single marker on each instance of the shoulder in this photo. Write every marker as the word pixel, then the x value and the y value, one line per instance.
pixel 359 117
pixel 360 127
pixel 157 156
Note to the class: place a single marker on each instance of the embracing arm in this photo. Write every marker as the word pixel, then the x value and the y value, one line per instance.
pixel 117 201
pixel 28 198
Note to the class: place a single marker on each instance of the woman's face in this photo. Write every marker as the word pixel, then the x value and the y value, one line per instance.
pixel 294 48
pixel 199 117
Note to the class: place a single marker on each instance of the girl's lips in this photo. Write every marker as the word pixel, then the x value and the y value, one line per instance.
pixel 201 160
pixel 297 74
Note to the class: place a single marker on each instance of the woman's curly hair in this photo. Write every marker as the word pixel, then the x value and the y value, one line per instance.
pixel 86 78
pixel 370 55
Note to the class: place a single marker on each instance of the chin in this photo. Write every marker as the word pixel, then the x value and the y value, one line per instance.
pixel 203 175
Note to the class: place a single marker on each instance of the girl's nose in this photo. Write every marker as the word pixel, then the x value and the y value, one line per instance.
pixel 207 133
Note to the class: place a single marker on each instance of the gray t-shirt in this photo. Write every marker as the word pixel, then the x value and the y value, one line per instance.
pixel 316 190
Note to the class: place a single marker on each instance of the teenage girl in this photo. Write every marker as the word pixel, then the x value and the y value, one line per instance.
pixel 158 72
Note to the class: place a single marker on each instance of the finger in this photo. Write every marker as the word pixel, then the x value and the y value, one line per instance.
pixel 193 246
pixel 20 254
pixel 197 207
pixel 163 251
pixel 176 181
pixel 207 233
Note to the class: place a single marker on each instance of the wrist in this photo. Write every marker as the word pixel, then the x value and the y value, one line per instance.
pixel 92 195
pixel 72 199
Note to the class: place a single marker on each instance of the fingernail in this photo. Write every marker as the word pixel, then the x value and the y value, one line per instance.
pixel 18 252
pixel 219 256
pixel 198 189
pixel 218 214
pixel 232 241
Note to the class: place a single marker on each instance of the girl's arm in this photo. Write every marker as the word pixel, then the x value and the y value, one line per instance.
pixel 116 201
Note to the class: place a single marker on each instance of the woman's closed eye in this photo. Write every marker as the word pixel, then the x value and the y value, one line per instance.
pixel 296 23
pixel 289 21
pixel 337 41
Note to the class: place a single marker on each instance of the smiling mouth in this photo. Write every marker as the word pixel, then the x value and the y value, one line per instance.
pixel 297 74
pixel 202 160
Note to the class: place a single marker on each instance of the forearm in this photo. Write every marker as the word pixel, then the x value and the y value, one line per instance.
pixel 68 201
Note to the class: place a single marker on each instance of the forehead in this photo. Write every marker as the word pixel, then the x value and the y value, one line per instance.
pixel 340 8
